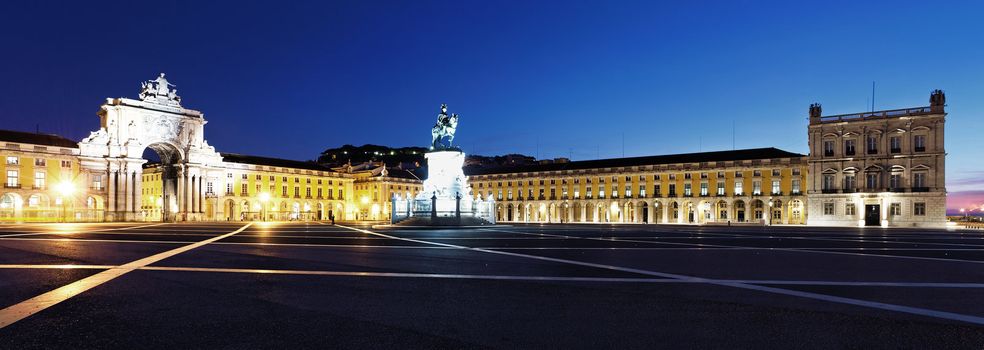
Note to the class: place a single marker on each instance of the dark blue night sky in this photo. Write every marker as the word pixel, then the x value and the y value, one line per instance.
pixel 553 79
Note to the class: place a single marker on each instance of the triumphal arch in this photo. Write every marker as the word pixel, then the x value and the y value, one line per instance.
pixel 156 121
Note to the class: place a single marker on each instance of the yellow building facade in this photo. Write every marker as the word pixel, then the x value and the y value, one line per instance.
pixel 761 186
pixel 375 185
pixel 42 180
pixel 260 188
pixel 758 186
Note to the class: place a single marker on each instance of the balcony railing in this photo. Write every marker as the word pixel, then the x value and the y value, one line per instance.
pixel 920 149
pixel 11 185
pixel 920 189
pixel 876 114
pixel 896 150
pixel 873 151
pixel 828 190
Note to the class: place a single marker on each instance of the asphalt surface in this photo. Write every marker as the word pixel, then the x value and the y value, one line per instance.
pixel 312 285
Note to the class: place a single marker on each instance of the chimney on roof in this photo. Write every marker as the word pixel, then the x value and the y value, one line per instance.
pixel 815 113
pixel 937 100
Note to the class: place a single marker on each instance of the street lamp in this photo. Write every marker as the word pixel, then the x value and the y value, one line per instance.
pixel 264 198
pixel 964 212
pixel 65 189
pixel 770 213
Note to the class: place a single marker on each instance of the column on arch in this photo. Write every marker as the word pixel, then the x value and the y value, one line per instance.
pixel 201 194
pixel 181 189
pixel 135 187
pixel 111 188
pixel 194 196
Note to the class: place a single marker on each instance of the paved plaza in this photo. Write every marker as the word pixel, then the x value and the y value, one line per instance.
pixel 314 285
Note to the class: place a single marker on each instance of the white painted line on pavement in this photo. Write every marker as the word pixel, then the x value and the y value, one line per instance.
pixel 39 303
pixel 77 232
pixel 505 277
pixel 412 275
pixel 56 266
pixel 803 250
pixel 823 297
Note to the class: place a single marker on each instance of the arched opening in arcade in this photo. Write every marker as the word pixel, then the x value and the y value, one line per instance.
pixel 796 212
pixel 776 207
pixel 675 211
pixel 11 206
pixel 739 211
pixel 161 199
pixel 757 209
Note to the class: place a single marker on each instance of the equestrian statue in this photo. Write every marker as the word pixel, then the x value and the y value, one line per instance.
pixel 443 132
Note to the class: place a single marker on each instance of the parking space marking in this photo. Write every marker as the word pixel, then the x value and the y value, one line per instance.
pixel 41 302
pixel 816 296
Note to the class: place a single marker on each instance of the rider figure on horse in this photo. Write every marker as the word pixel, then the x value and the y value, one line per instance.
pixel 444 129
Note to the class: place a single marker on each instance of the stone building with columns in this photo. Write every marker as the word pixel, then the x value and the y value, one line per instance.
pixel 760 186
pixel 881 168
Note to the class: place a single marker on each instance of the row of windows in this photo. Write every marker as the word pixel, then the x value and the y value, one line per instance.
pixel 871 145
pixel 738 189
pixel 244 191
pixel 894 209
pixel 272 178
pixel 13 179
pixel 14 160
pixel 642 178
pixel 873 181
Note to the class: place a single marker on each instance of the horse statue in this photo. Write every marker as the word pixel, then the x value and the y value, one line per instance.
pixel 444 129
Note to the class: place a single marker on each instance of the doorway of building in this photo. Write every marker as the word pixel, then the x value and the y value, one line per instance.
pixel 872 215
pixel 645 213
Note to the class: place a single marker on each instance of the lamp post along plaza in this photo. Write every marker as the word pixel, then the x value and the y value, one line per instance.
pixel 65 189
pixel 264 199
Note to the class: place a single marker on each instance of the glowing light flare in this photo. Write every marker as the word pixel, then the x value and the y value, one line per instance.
pixel 65 228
